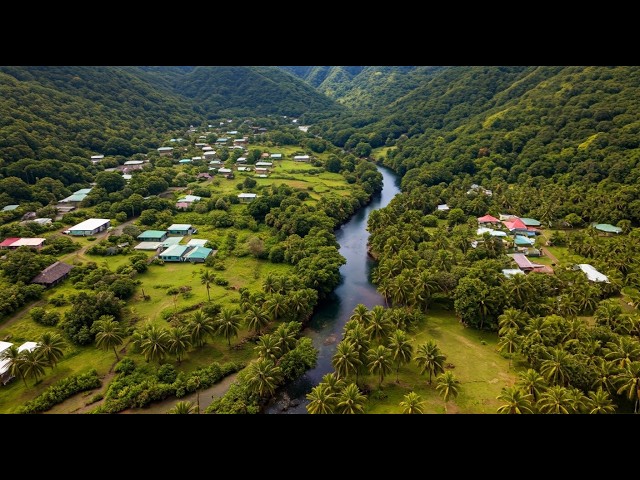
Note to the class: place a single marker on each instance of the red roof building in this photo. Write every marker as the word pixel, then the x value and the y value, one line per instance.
pixel 515 224
pixel 488 219
pixel 9 241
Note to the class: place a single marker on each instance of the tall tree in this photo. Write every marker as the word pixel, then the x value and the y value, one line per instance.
pixel 430 359
pixel 12 355
pixel 228 323
pixel 412 403
pixel 379 362
pixel 346 359
pixel 178 342
pixel 207 278
pixel 555 399
pixel 263 377
pixel 628 382
pixel 321 400
pixel 50 347
pixel 200 326
pixel 256 318
pixel 183 408
pixel 155 344
pixel 109 334
pixel 268 347
pixel 532 383
pixel 32 364
pixel 447 386
pixel 350 400
pixel 515 401
pixel 401 350
pixel 600 402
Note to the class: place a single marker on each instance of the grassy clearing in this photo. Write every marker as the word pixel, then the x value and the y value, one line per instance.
pixel 481 370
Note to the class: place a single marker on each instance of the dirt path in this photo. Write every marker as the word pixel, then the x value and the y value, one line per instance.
pixel 547 253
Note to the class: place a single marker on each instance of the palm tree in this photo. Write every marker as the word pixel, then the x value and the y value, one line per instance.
pixel 401 350
pixel 412 403
pixel 109 334
pixel 600 402
pixel 606 374
pixel 200 326
pixel 361 314
pixel 532 382
pixel 32 364
pixel 447 386
pixel 207 278
pixel 511 319
pixel 50 347
pixel 554 368
pixel 333 382
pixel 154 346
pixel 629 383
pixel 379 325
pixel 178 342
pixel 228 323
pixel 577 400
pixel 509 340
pixel 379 362
pixel 625 351
pixel 346 359
pixel 276 305
pixel 515 401
pixel 286 338
pixel 321 400
pixel 183 408
pixel 430 359
pixel 555 399
pixel 350 400
pixel 267 347
pixel 13 355
pixel 263 377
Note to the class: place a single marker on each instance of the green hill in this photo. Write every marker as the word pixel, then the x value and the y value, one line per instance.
pixel 251 91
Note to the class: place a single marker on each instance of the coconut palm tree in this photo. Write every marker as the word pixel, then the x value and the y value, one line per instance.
pixel 511 319
pixel 228 323
pixel 256 318
pixel 276 305
pixel 623 352
pixel 183 408
pixel 263 377
pixel 350 400
pixel 606 374
pixel 207 278
pixel 628 382
pixel 379 362
pixel 267 347
pixel 361 341
pixel 509 341
pixel 577 400
pixel 333 382
pixel 109 334
pixel 401 350
pixel 13 354
pixel 412 403
pixel 50 347
pixel 269 284
pixel 154 346
pixel 600 402
pixel 447 386
pixel 532 383
pixel 32 364
pixel 554 368
pixel 555 399
pixel 346 359
pixel 430 359
pixel 361 314
pixel 516 402
pixel 200 326
pixel 179 342
pixel 286 337
pixel 379 324
pixel 321 400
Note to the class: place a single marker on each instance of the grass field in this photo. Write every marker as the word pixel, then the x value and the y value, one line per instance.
pixel 481 370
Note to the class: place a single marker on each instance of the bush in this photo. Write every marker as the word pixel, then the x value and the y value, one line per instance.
pixel 430 221
pixel 125 366
pixel 91 239
pixel 50 319
pixel 58 301
pixel 60 391
pixel 222 282
pixel 167 373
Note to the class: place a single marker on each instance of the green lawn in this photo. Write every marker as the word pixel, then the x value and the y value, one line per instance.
pixel 481 370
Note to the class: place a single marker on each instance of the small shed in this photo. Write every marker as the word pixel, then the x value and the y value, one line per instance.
pixel 180 229
pixel 53 274
pixel 153 236
pixel 198 254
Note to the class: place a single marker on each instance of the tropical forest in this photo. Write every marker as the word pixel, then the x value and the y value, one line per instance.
pixel 320 239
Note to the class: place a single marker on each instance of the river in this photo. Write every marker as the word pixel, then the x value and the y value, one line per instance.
pixel 325 327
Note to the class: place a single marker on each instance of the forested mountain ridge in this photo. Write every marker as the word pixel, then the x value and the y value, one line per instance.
pixel 251 91
pixel 365 87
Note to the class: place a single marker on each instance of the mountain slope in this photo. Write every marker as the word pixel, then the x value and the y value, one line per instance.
pixel 60 112
pixel 221 91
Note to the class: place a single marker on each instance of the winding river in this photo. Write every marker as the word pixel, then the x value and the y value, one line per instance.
pixel 325 327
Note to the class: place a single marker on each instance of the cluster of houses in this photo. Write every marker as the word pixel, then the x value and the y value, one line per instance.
pixel 168 247
pixel 5 365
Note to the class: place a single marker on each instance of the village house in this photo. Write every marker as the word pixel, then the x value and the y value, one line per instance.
pixel 301 158
pixel 153 236
pixel 181 229
pixel 165 151
pixel 52 275
pixel 247 197
pixel 89 227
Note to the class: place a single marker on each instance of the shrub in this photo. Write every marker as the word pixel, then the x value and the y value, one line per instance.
pixel 58 301
pixel 167 373
pixel 125 366
pixel 60 391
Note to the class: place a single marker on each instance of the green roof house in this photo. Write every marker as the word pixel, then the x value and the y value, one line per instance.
pixel 153 236
pixel 198 254
pixel 607 228
pixel 180 229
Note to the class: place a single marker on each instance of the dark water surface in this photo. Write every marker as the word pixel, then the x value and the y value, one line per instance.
pixel 325 327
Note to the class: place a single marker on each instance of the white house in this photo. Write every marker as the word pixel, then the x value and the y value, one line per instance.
pixel 593 274
pixel 301 158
